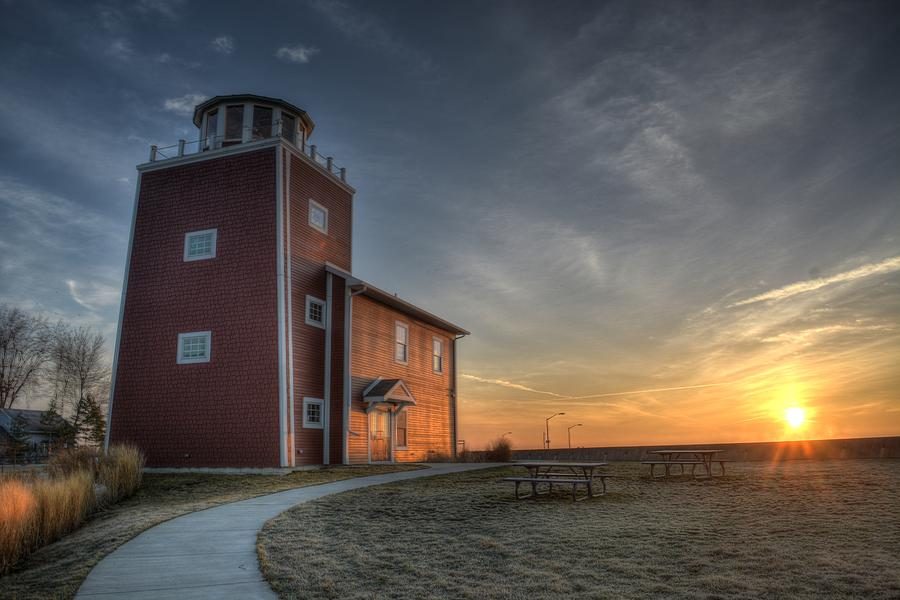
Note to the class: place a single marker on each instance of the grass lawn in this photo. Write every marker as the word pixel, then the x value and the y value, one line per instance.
pixel 57 570
pixel 809 529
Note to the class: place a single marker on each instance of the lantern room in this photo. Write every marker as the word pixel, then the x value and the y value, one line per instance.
pixel 237 119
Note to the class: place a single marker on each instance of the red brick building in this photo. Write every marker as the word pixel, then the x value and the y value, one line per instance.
pixel 244 339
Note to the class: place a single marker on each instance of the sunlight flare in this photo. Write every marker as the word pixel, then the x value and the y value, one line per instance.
pixel 795 417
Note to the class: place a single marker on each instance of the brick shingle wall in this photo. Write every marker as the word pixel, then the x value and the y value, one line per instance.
pixel 225 412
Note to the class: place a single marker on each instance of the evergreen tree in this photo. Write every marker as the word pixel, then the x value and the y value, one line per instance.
pixel 94 424
pixel 60 430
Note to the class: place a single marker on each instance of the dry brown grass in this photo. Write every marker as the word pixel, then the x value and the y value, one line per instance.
pixel 57 570
pixel 35 511
pixel 120 472
pixel 803 529
pixel 499 450
pixel 38 508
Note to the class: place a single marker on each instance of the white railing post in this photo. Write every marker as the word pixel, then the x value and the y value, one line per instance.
pixel 152 152
pixel 312 151
pixel 329 161
pixel 344 174
pixel 180 148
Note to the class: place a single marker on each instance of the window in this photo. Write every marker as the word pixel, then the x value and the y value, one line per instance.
pixel 212 126
pixel 437 355
pixel 315 312
pixel 234 123
pixel 194 347
pixel 401 429
pixel 199 245
pixel 401 342
pixel 262 122
pixel 288 127
pixel 318 216
pixel 312 413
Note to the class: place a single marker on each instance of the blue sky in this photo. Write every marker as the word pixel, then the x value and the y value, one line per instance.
pixel 615 197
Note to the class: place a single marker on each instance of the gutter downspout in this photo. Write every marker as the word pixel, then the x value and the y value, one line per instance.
pixel 280 283
pixel 455 397
pixel 326 412
pixel 292 437
pixel 348 340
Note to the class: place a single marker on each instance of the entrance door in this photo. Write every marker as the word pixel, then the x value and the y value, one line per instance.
pixel 380 432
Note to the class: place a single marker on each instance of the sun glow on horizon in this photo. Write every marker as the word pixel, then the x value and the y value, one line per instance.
pixel 795 417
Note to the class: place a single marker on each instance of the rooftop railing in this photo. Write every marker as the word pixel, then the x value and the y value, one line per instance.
pixel 249 134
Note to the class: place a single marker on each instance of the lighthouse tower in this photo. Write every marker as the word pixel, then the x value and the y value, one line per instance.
pixel 237 339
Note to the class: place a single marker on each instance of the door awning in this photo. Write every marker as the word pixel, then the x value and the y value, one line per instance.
pixel 393 392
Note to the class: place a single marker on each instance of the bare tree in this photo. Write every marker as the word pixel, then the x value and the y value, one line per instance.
pixel 81 375
pixel 25 346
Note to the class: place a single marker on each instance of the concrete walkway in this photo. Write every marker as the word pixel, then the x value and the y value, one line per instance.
pixel 212 553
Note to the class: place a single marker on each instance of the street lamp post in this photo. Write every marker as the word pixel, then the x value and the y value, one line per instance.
pixel 570 433
pixel 547 429
pixel 506 434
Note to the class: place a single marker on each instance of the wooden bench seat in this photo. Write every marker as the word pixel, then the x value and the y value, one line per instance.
pixel 560 479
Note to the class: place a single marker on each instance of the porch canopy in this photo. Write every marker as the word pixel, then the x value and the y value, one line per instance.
pixel 388 393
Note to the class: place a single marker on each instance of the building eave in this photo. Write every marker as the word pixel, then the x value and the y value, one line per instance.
pixel 371 291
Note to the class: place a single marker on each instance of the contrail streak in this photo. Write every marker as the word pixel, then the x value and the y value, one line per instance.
pixel 668 389
pixel 509 384
pixel 516 386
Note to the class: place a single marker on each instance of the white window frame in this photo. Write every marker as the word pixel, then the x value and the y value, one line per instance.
pixel 313 204
pixel 396 341
pixel 443 354
pixel 310 300
pixel 181 360
pixel 307 424
pixel 187 244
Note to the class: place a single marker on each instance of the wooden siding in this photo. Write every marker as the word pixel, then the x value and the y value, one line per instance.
pixel 372 355
pixel 310 250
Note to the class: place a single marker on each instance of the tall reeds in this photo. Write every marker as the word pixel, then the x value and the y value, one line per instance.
pixel 37 509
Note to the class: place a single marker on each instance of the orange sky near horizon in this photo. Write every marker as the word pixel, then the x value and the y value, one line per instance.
pixel 730 373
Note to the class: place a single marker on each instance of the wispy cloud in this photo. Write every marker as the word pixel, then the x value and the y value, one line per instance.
pixel 367 29
pixel 808 336
pixel 120 49
pixel 93 295
pixel 59 257
pixel 184 105
pixel 297 53
pixel 167 8
pixel 887 265
pixel 223 44
pixel 165 58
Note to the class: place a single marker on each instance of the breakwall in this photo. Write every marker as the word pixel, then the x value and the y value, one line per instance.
pixel 880 447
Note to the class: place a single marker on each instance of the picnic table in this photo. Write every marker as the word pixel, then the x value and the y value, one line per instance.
pixel 547 472
pixel 694 457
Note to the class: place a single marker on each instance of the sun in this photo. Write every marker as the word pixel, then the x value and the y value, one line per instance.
pixel 795 417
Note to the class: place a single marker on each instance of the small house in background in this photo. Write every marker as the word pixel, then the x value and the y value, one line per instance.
pixel 28 434
pixel 245 339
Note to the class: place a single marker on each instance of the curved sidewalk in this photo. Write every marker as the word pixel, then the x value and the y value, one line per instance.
pixel 212 553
